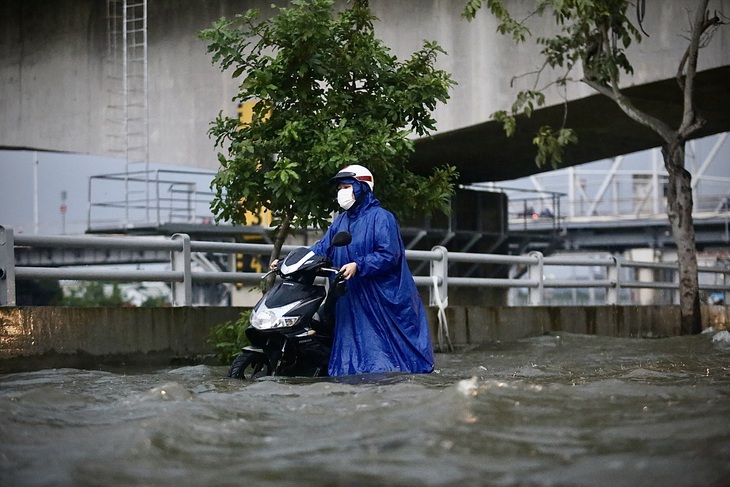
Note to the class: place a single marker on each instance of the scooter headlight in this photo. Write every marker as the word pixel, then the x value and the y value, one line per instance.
pixel 288 321
pixel 268 320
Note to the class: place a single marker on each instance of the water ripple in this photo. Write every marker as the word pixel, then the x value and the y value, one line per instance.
pixel 556 410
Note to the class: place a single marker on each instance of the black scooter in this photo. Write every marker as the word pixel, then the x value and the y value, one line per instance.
pixel 292 325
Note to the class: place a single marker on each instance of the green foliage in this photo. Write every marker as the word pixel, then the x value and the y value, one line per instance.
pixel 327 93
pixel 507 24
pixel 228 338
pixel 592 34
pixel 155 302
pixel 93 295
pixel 527 100
pixel 550 144
pixel 595 33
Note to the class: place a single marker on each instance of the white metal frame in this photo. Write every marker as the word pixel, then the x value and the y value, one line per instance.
pixel 611 198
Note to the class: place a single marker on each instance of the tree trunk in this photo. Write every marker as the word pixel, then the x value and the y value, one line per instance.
pixel 276 252
pixel 679 202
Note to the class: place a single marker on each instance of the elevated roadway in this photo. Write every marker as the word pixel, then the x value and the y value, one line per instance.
pixel 56 59
pixel 482 152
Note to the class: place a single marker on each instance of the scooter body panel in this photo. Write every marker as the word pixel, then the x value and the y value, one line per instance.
pixel 292 324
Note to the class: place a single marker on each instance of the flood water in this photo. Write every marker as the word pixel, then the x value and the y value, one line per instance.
pixel 555 410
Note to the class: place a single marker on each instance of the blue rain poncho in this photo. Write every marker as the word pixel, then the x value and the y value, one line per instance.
pixel 380 323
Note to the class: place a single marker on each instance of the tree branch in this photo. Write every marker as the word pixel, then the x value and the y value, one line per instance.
pixel 657 125
pixel 613 92
pixel 688 69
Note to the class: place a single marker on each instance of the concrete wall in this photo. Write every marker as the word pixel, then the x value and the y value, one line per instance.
pixel 34 338
pixel 54 89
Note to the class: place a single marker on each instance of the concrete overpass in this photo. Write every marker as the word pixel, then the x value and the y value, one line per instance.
pixel 57 90
pixel 483 153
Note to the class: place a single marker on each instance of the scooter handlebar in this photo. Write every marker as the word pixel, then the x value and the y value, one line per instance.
pixel 324 269
pixel 272 271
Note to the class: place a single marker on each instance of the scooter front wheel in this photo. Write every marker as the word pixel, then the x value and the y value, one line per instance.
pixel 250 366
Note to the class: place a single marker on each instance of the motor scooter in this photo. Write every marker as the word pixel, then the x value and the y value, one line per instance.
pixel 292 325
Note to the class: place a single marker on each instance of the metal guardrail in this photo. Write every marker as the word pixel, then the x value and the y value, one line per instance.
pixel 182 277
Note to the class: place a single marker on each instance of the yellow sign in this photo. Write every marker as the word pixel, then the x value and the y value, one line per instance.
pixel 245 112
pixel 263 216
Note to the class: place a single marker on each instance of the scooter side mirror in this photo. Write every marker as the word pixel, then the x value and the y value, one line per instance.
pixel 341 239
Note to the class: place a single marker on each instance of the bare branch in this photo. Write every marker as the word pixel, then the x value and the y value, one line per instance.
pixel 707 31
pixel 641 14
pixel 537 74
pixel 688 68
pixel 614 93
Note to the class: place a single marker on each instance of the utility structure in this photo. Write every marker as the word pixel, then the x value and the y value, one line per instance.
pixel 127 114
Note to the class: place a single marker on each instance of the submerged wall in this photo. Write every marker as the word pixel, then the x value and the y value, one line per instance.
pixel 34 338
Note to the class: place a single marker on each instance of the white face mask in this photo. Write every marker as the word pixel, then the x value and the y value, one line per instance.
pixel 346 198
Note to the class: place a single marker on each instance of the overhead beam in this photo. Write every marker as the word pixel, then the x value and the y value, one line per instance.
pixel 483 153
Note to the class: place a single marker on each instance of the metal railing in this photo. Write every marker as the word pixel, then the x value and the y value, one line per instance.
pixel 531 268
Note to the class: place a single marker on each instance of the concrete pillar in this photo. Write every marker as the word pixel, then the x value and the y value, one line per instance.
pixel 644 296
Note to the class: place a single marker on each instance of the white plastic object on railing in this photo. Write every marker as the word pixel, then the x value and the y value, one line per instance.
pixel 182 293
pixel 439 267
pixel 443 329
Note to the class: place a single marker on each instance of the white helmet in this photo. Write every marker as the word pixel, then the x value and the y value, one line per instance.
pixel 357 172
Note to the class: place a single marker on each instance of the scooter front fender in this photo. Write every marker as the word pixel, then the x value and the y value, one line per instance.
pixel 252 349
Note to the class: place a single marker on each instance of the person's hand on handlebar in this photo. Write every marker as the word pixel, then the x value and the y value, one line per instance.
pixel 274 264
pixel 348 270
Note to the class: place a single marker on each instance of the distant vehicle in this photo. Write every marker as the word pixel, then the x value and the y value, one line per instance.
pixel 717 298
pixel 531 213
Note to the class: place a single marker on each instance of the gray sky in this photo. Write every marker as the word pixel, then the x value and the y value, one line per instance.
pixel 20 194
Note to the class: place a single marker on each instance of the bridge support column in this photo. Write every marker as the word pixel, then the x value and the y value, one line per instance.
pixel 645 296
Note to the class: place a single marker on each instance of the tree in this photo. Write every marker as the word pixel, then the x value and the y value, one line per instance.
pixel 155 302
pixel 93 294
pixel 327 94
pixel 595 35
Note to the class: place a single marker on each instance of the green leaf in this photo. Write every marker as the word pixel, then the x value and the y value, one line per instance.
pixel 329 94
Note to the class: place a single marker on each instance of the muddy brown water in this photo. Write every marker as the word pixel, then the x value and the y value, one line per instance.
pixel 555 410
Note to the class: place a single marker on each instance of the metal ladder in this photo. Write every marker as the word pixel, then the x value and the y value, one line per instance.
pixel 127 118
